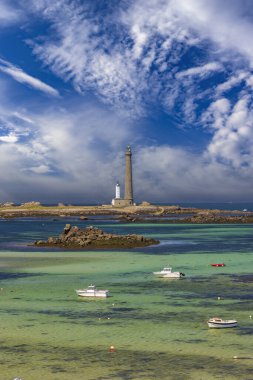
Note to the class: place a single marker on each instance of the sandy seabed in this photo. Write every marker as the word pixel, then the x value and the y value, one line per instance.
pixel 158 327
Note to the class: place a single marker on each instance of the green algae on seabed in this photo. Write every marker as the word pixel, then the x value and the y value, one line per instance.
pixel 157 326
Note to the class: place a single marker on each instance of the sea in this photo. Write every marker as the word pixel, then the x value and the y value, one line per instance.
pixel 158 327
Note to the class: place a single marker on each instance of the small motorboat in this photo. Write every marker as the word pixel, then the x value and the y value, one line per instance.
pixel 166 272
pixel 218 323
pixel 218 265
pixel 92 291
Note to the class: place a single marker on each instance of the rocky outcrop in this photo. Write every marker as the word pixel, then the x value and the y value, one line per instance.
pixel 206 217
pixel 202 217
pixel 30 204
pixel 92 237
pixel 7 204
pixel 145 204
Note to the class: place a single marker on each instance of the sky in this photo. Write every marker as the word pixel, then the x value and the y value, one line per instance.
pixel 82 79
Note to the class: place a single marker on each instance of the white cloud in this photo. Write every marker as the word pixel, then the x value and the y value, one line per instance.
pixel 232 142
pixel 233 81
pixel 9 14
pixel 217 113
pixel 10 138
pixel 223 22
pixel 63 154
pixel 173 174
pixel 201 71
pixel 41 169
pixel 249 81
pixel 22 77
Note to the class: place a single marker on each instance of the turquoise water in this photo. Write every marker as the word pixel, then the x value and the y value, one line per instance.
pixel 158 326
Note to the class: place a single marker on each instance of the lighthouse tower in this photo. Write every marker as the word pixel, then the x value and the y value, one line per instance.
pixel 117 191
pixel 128 198
pixel 128 177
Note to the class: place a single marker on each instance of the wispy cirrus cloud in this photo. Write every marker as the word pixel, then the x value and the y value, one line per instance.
pixel 20 76
pixel 200 71
pixel 176 55
pixel 120 56
pixel 9 14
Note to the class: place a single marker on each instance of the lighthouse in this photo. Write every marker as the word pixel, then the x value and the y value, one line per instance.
pixel 128 199
pixel 117 191
pixel 128 177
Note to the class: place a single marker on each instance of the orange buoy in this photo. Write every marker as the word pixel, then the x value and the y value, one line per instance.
pixel 111 349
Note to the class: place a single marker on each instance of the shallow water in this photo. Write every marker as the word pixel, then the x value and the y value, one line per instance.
pixel 157 326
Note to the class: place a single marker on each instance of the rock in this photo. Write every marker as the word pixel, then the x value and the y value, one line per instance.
pixel 30 204
pixel 74 237
pixel 39 242
pixel 7 204
pixel 66 228
pixel 71 232
pixel 145 204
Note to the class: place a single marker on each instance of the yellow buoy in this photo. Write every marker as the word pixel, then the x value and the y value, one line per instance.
pixel 111 348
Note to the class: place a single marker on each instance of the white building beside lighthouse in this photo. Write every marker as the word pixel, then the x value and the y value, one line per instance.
pixel 117 194
pixel 117 191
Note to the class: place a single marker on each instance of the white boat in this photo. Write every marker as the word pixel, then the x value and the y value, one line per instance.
pixel 92 291
pixel 221 323
pixel 166 272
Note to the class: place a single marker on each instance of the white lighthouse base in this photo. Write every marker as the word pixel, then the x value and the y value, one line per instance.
pixel 119 202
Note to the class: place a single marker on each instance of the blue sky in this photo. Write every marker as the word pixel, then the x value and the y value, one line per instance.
pixel 80 80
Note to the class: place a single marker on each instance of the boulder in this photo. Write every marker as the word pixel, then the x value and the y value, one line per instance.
pixel 39 242
pixel 30 204
pixel 145 204
pixel 66 228
pixel 7 204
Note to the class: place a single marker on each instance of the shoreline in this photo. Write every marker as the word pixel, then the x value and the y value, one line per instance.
pixel 133 214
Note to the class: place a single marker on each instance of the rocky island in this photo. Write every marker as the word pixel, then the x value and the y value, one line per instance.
pixel 94 238
pixel 199 217
pixel 142 213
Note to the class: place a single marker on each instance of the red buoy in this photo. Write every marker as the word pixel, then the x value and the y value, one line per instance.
pixel 218 265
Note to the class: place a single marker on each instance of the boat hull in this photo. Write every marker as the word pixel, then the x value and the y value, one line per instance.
pixel 169 275
pixel 97 294
pixel 222 324
pixel 172 275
